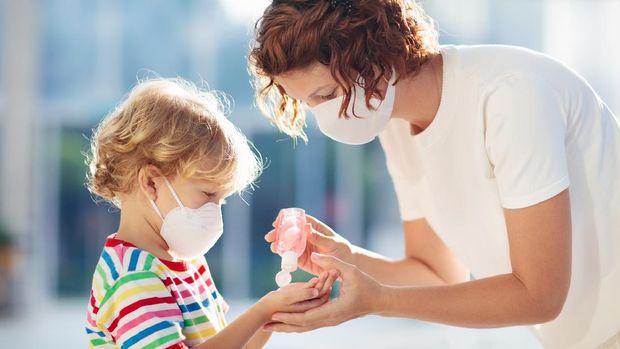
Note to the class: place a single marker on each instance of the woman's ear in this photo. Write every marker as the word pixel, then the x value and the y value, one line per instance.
pixel 149 179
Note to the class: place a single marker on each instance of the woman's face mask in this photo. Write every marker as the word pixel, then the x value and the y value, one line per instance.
pixel 363 124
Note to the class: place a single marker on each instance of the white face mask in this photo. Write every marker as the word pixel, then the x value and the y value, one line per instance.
pixel 362 126
pixel 190 232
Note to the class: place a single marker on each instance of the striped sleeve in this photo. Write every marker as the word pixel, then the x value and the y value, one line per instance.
pixel 140 312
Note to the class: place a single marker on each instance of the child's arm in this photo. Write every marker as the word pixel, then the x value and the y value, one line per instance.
pixel 259 340
pixel 246 330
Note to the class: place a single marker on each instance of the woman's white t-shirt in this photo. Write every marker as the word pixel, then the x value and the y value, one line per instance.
pixel 514 128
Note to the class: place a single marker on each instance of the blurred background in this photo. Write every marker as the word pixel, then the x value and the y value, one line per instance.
pixel 66 63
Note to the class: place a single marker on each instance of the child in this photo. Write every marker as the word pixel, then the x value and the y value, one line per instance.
pixel 167 157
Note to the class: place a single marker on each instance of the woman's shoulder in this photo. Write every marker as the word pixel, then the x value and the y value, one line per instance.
pixel 491 51
pixel 488 64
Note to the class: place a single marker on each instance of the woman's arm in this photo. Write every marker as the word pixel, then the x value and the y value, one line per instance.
pixel 427 262
pixel 535 291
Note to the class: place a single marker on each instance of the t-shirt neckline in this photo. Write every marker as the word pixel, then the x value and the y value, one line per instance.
pixel 436 129
pixel 180 265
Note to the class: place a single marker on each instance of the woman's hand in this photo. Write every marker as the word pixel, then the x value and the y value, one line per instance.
pixel 299 296
pixel 359 295
pixel 321 239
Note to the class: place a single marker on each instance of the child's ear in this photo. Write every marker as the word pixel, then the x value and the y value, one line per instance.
pixel 149 181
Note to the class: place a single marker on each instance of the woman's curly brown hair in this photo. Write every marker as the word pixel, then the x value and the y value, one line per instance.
pixel 360 40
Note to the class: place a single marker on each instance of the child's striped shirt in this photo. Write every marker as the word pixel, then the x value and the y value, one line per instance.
pixel 140 301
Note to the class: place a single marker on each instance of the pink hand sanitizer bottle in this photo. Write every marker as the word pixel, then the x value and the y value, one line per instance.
pixel 290 241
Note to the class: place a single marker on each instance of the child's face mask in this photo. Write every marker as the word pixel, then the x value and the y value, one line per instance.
pixel 190 232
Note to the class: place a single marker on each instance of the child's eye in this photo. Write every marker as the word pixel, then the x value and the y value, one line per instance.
pixel 209 195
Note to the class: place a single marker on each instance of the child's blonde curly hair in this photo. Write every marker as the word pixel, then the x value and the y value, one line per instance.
pixel 175 126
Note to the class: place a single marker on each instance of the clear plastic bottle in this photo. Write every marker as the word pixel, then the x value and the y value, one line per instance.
pixel 290 241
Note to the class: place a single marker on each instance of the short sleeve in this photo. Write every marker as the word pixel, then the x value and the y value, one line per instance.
pixel 525 140
pixel 139 311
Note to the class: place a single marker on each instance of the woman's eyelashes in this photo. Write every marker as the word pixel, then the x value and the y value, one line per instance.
pixel 328 96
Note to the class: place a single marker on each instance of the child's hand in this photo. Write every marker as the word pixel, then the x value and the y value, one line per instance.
pixel 299 296
pixel 324 284
pixel 325 281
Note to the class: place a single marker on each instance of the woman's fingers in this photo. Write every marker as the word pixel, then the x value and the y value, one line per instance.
pixel 315 316
pixel 328 262
pixel 270 236
pixel 320 240
pixel 320 226
pixel 285 328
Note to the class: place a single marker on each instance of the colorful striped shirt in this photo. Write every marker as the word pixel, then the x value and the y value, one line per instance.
pixel 140 301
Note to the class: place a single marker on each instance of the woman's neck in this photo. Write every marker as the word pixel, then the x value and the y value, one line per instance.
pixel 418 96
pixel 136 229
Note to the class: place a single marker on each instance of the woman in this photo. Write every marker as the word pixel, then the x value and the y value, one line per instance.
pixel 505 162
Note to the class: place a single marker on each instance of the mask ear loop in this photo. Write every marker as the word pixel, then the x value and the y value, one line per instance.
pixel 390 83
pixel 174 194
pixel 156 208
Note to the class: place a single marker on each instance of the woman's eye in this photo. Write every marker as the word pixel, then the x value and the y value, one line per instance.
pixel 329 96
pixel 209 195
